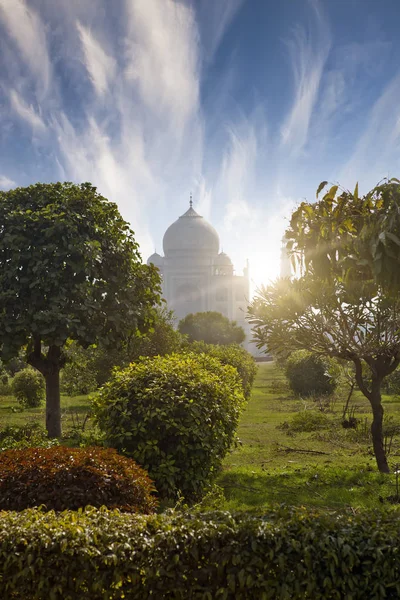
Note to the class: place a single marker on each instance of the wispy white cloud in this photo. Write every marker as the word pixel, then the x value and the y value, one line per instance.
pixel 148 142
pixel 162 58
pixel 204 197
pixel 253 205
pixel 309 51
pixel 214 19
pixel 237 175
pixel 91 155
pixel 140 138
pixel 378 147
pixel 26 112
pixel 28 32
pixel 100 66
pixel 6 183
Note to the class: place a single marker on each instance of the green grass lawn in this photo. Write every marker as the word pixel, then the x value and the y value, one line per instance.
pixel 73 413
pixel 329 467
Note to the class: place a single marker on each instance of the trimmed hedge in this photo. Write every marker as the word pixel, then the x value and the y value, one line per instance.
pixel 233 355
pixel 289 554
pixel 70 478
pixel 175 415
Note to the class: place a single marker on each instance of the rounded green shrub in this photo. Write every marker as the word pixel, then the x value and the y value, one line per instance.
pixel 233 355
pixel 28 387
pixel 70 478
pixel 175 415
pixel 309 374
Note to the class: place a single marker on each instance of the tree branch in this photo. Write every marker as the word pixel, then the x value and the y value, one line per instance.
pixel 359 377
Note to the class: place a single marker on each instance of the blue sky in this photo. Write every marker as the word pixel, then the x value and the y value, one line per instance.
pixel 248 104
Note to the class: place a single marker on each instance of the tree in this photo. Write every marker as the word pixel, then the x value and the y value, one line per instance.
pixel 89 368
pixel 211 327
pixel 345 302
pixel 69 269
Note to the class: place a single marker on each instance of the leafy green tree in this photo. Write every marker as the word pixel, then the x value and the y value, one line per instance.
pixel 69 269
pixel 345 303
pixel 89 368
pixel 211 327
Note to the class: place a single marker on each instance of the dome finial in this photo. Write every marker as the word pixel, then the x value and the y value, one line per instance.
pixel 191 200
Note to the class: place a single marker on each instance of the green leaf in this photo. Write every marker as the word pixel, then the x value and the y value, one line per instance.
pixel 393 237
pixel 321 187
pixel 332 193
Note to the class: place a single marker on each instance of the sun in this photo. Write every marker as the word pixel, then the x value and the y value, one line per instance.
pixel 264 267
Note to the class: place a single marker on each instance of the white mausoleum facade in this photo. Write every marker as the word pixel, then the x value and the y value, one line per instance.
pixel 196 276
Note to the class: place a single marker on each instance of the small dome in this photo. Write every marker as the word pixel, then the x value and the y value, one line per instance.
pixel 191 234
pixel 156 260
pixel 223 260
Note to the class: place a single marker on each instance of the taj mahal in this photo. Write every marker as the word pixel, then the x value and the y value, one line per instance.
pixel 196 276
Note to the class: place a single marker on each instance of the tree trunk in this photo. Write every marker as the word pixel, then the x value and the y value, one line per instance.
pixel 53 405
pixel 375 399
pixel 377 435
pixel 49 366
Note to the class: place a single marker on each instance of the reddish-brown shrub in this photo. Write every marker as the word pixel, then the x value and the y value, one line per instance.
pixel 70 478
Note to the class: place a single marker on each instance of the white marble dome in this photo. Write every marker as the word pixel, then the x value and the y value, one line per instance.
pixel 191 234
pixel 156 260
pixel 223 259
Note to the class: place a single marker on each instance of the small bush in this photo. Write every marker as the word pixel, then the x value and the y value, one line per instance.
pixel 287 554
pixel 233 355
pixel 175 415
pixel 28 387
pixel 70 478
pixel 306 420
pixel 309 374
pixel 5 389
pixel 25 436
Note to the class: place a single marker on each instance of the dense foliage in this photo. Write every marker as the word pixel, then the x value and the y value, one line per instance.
pixel 69 269
pixel 233 355
pixel 28 435
pixel 79 374
pixel 344 303
pixel 175 415
pixel 87 369
pixel 17 363
pixel 70 478
pixel 28 387
pixel 211 327
pixel 287 554
pixel 309 374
